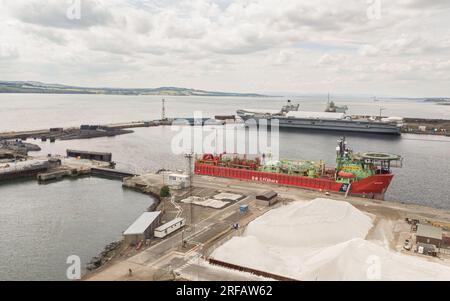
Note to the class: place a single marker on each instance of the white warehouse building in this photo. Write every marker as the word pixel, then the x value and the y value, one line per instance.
pixel 169 227
pixel 142 228
pixel 178 181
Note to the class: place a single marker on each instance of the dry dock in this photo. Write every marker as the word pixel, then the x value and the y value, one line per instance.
pixel 46 169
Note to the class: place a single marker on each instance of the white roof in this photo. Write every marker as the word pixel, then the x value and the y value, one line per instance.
pixel 142 223
pixel 169 224
pixel 261 111
pixel 178 175
pixel 315 115
pixel 429 231
pixel 227 196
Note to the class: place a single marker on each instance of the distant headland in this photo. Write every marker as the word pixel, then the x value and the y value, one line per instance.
pixel 38 87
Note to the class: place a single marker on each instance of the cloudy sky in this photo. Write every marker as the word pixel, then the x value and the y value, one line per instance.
pixel 375 47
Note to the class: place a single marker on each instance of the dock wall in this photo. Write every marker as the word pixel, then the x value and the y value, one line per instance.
pixel 249 270
pixel 111 173
pixel 23 169
pixel 97 156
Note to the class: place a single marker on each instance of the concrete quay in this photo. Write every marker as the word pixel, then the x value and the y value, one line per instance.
pixel 70 133
pixel 46 169
pixel 423 126
pixel 184 254
pixel 418 126
pixel 83 131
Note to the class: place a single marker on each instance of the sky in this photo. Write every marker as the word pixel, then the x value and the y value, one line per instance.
pixel 371 47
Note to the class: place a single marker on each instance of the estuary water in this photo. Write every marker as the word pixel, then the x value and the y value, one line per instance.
pixel 41 225
pixel 423 179
pixel 37 111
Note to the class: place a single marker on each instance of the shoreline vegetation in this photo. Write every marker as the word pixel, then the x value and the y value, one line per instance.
pixel 34 87
pixel 43 88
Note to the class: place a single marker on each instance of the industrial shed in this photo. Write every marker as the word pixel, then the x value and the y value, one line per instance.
pixel 143 227
pixel 427 234
pixel 267 198
pixel 98 156
pixel 177 181
pixel 169 227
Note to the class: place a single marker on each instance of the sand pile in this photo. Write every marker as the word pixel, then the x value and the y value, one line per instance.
pixel 321 222
pixel 359 259
pixel 322 240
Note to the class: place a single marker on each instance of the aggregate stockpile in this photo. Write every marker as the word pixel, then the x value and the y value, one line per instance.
pixel 322 240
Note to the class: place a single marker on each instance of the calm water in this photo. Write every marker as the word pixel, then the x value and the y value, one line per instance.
pixel 42 224
pixel 36 111
pixel 423 179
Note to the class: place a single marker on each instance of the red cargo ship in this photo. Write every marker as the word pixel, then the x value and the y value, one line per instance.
pixel 364 174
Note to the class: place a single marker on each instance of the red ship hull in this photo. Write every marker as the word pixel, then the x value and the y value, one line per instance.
pixel 374 186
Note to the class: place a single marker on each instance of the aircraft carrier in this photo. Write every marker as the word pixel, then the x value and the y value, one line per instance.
pixel 333 119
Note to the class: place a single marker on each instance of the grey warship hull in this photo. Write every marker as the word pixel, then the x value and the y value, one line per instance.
pixel 342 125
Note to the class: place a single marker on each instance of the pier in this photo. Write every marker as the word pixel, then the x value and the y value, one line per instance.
pixel 23 169
pixel 71 133
pixel 53 175
pixel 111 173
pixel 426 126
pixel 56 168
pixel 418 126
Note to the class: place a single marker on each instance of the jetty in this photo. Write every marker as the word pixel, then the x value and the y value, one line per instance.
pixel 45 169
pixel 71 133
pixel 419 126
pixel 111 173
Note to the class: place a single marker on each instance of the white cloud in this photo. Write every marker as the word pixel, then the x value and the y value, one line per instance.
pixel 241 45
pixel 368 50
pixel 8 51
pixel 53 13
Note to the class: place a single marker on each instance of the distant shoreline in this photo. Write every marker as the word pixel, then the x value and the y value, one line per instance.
pixel 29 87
pixel 131 94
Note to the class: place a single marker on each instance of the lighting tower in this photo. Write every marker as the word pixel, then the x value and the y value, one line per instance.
pixel 163 112
pixel 188 157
